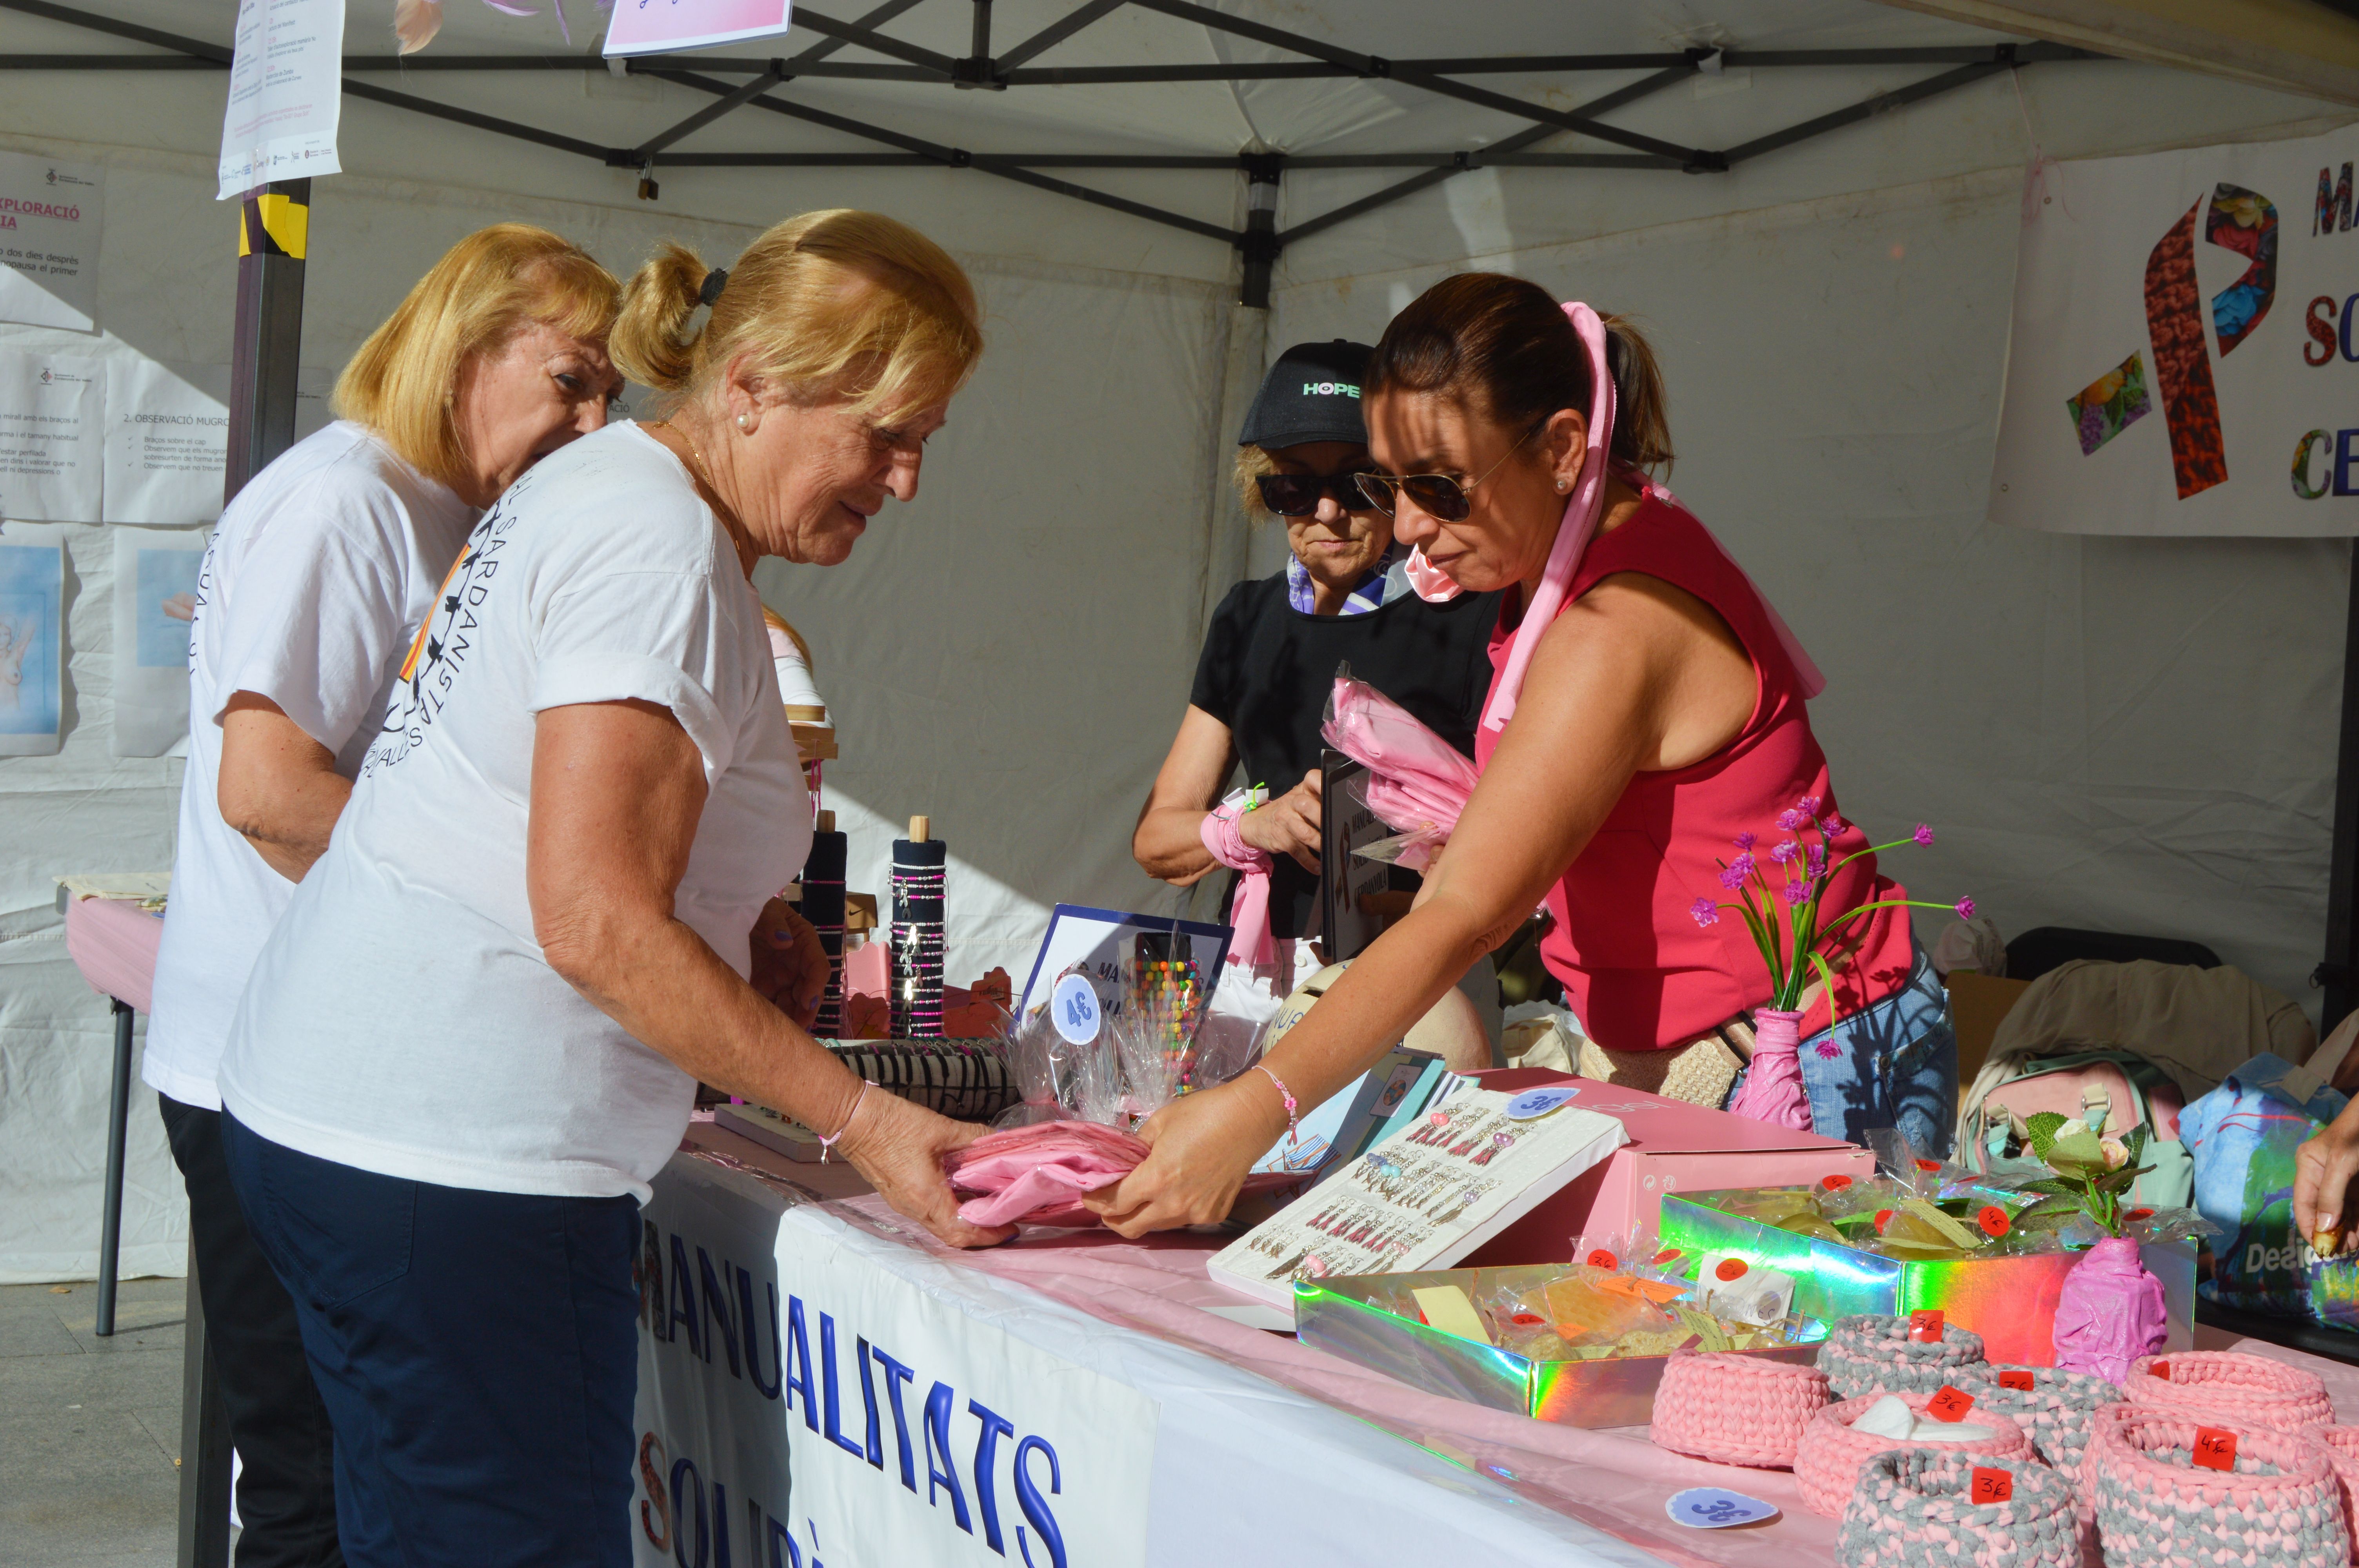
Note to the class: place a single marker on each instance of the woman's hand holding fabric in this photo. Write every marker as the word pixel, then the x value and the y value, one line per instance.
pixel 1288 825
pixel 790 967
pixel 898 1147
pixel 1202 1146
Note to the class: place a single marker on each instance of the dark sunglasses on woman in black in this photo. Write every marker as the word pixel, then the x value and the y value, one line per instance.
pixel 1297 494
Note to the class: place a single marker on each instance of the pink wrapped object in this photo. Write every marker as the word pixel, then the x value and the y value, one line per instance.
pixel 2251 1390
pixel 1417 781
pixel 1773 1089
pixel 1039 1173
pixel 1736 1410
pixel 1827 1464
pixel 2109 1313
pixel 2279 1505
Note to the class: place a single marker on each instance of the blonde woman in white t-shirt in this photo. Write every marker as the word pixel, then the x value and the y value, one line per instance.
pixel 476 1037
pixel 315 579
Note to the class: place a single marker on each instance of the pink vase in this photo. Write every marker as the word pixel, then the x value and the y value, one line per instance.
pixel 1773 1085
pixel 2109 1313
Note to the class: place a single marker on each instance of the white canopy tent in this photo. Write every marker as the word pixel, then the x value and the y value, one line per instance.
pixel 2125 734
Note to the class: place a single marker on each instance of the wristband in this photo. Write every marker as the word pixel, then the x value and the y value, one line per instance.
pixel 1283 1093
pixel 827 1141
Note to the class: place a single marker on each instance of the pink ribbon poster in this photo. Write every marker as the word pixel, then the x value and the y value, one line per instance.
pixel 661 27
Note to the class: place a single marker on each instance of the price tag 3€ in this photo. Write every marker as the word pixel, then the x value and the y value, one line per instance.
pixel 1715 1508
pixel 2020 1381
pixel 1925 1327
pixel 1992 1485
pixel 2215 1449
pixel 1948 1403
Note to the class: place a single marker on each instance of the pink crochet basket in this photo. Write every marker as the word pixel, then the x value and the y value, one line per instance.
pixel 2055 1412
pixel 1827 1463
pixel 1913 1508
pixel 2249 1389
pixel 2342 1445
pixel 1736 1410
pixel 2280 1507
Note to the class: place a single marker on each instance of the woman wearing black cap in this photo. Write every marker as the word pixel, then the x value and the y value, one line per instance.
pixel 1270 656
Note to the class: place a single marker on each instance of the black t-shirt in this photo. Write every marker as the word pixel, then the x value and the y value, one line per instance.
pixel 1266 670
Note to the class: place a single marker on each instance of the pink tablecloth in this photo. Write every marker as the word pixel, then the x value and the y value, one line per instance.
pixel 112 942
pixel 1614 1480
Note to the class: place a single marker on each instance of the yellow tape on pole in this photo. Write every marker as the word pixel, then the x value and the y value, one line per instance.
pixel 284 226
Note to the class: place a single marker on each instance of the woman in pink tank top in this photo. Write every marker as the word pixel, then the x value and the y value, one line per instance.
pixel 1660 715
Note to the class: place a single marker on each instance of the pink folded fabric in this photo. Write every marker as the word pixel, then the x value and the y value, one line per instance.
pixel 1039 1172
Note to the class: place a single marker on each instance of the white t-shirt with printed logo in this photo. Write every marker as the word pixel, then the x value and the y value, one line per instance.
pixel 317 577
pixel 402 1019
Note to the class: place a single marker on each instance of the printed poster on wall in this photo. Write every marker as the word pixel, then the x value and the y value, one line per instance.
pixel 286 94
pixel 2184 357
pixel 157 572
pixel 32 640
pixel 167 446
pixel 50 406
pixel 50 221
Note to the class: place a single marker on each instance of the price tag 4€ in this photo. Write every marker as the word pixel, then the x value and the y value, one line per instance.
pixel 1925 1327
pixel 1948 1403
pixel 2215 1449
pixel 1992 1485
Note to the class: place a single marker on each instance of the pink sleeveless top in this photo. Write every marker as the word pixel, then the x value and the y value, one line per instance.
pixel 1637 970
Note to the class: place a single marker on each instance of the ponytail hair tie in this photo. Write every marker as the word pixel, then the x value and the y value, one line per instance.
pixel 714 281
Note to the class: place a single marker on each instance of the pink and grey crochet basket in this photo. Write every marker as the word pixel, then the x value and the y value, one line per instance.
pixel 2054 1413
pixel 2250 1388
pixel 1736 1410
pixel 1913 1508
pixel 2279 1507
pixel 1869 1352
pixel 2342 1445
pixel 1827 1463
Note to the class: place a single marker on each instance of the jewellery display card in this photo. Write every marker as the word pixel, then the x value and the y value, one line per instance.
pixel 1426 1196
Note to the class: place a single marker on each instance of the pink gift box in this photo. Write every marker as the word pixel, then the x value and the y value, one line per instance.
pixel 1674 1148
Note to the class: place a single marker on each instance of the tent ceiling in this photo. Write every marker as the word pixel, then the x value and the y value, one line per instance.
pixel 1054 88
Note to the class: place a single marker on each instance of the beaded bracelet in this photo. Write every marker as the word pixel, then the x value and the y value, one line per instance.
pixel 827 1141
pixel 1283 1093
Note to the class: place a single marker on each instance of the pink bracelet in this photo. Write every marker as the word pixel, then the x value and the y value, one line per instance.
pixel 1283 1093
pixel 827 1141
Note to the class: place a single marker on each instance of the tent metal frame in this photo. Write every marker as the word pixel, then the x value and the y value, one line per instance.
pixel 1259 242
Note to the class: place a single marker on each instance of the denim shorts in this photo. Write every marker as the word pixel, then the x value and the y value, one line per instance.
pixel 1892 1065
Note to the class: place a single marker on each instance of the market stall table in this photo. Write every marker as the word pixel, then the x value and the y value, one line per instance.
pixel 112 941
pixel 909 1382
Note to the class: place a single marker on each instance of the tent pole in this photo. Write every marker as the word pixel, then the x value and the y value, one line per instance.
pixel 2339 969
pixel 1259 242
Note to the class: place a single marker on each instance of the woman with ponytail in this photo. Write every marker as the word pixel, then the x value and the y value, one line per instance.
pixel 1646 718
pixel 476 1035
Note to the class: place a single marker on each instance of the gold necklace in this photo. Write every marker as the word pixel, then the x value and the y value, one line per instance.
pixel 746 553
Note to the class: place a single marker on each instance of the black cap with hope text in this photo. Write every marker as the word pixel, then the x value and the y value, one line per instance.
pixel 1311 393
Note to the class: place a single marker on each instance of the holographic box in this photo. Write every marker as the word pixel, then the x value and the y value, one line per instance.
pixel 1343 1316
pixel 2010 1302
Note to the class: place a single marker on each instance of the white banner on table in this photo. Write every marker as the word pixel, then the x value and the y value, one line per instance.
pixel 286 94
pixel 914 1432
pixel 32 639
pixel 156 583
pixel 167 448
pixel 50 406
pixel 49 221
pixel 2184 359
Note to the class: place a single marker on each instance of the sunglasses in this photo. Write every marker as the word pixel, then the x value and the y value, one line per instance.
pixel 1439 496
pixel 1297 494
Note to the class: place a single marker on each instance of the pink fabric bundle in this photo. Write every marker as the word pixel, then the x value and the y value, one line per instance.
pixel 2279 1506
pixel 1037 1174
pixel 1736 1410
pixel 1827 1464
pixel 2250 1389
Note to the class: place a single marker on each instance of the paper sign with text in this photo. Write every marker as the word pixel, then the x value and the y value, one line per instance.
pixel 49 222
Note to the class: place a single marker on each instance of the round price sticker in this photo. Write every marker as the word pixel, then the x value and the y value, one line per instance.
pixel 1993 1221
pixel 1598 1257
pixel 1730 1269
pixel 1533 1104
pixel 1716 1507
pixel 1073 1008
pixel 1833 1183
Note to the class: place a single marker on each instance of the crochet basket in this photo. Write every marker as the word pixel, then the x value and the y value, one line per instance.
pixel 2342 1445
pixel 2054 1413
pixel 1827 1462
pixel 1736 1410
pixel 2279 1507
pixel 2252 1389
pixel 1869 1353
pixel 1913 1508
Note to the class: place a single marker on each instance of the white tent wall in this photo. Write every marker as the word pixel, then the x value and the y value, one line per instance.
pixel 2125 734
pixel 1009 654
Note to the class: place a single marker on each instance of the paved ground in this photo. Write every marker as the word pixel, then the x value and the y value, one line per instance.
pixel 90 1428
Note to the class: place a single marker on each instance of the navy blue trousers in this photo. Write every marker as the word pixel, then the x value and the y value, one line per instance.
pixel 478 1353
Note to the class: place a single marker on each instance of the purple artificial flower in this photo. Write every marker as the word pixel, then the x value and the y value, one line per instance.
pixel 1706 913
pixel 1732 878
pixel 1746 840
pixel 1830 825
pixel 1924 834
pixel 1828 1049
pixel 1788 821
pixel 1798 893
pixel 1785 851
pixel 1817 860
pixel 1807 806
pixel 1965 909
